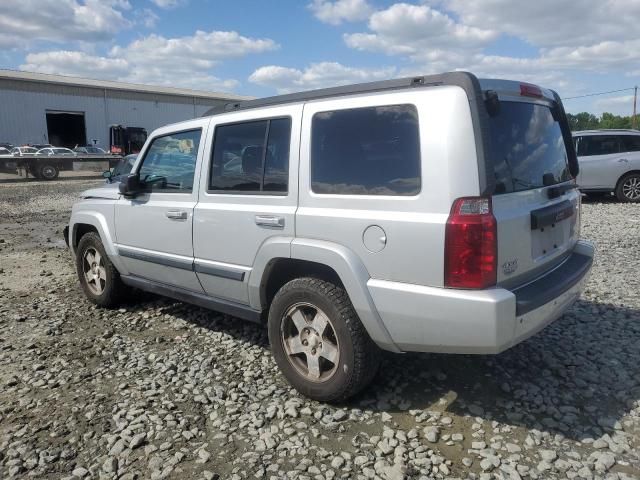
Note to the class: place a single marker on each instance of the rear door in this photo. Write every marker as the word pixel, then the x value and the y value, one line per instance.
pixel 249 195
pixel 536 208
pixel 601 161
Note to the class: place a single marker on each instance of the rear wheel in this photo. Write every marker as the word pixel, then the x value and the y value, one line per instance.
pixel 48 171
pixel 319 342
pixel 99 278
pixel 628 189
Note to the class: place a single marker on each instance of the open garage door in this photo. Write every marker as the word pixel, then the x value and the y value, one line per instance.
pixel 66 129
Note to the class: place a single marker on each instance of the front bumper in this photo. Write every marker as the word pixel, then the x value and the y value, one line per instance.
pixel 431 319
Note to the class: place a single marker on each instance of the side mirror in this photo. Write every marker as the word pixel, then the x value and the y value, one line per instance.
pixel 131 185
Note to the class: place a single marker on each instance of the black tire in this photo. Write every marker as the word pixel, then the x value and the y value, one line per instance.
pixel 358 356
pixel 111 291
pixel 48 171
pixel 628 188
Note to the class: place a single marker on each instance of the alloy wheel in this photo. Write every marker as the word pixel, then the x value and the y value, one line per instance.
pixel 95 274
pixel 310 342
pixel 631 188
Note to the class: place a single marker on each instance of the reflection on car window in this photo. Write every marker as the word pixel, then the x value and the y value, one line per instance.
pixel 169 164
pixel 243 162
pixel 528 148
pixel 366 151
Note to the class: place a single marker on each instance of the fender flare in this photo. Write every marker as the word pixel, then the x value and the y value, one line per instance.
pixel 97 220
pixel 344 262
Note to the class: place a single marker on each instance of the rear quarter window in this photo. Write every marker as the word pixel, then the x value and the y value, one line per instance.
pixel 366 151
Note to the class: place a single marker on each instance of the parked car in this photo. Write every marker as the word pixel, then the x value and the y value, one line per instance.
pixel 90 150
pixel 6 145
pixel 428 214
pixel 23 151
pixel 40 146
pixel 7 163
pixel 609 162
pixel 56 151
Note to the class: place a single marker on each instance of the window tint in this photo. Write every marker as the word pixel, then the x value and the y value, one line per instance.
pixel 366 151
pixel 252 157
pixel 631 143
pixel 599 145
pixel 170 162
pixel 528 147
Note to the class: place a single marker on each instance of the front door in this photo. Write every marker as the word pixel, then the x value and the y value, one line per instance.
pixel 154 230
pixel 249 196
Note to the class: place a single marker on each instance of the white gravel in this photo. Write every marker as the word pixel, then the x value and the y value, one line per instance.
pixel 159 389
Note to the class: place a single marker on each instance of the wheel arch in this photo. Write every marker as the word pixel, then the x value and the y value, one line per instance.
pixel 626 174
pixel 327 261
pixel 83 222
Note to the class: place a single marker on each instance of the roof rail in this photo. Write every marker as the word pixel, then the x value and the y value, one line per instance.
pixel 466 80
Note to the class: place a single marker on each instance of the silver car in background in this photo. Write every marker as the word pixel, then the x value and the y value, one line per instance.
pixel 609 162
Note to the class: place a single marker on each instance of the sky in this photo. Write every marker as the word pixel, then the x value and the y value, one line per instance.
pixel 264 47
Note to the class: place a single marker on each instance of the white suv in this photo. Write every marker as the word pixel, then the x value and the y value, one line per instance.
pixel 430 214
pixel 609 162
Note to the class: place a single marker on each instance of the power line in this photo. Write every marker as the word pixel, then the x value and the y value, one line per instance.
pixel 599 93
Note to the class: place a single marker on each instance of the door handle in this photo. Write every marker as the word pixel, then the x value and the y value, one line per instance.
pixel 176 214
pixel 270 221
pixel 623 160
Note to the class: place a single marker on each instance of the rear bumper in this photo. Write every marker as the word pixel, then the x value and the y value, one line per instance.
pixel 430 319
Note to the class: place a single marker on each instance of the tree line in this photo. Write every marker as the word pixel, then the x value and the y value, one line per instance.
pixel 589 121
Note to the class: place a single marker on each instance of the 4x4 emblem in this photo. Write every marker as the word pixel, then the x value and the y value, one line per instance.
pixel 510 266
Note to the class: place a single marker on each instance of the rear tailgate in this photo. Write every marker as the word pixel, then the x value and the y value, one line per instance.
pixel 535 204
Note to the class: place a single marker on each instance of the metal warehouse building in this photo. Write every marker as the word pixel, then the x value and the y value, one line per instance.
pixel 69 111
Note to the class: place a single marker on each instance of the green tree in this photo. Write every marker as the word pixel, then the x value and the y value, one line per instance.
pixel 588 121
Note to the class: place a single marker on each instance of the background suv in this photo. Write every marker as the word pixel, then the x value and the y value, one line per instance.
pixel 609 162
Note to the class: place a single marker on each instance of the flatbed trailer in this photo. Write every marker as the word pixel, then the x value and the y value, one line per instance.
pixel 49 167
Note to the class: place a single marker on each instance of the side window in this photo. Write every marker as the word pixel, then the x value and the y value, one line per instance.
pixel 631 143
pixel 251 157
pixel 600 145
pixel 366 151
pixel 170 162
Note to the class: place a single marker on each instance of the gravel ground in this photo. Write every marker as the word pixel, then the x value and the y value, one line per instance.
pixel 159 389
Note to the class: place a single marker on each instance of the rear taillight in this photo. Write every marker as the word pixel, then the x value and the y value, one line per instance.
pixel 471 239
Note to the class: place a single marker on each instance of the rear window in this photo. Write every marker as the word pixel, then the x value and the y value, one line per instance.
pixel 528 148
pixel 366 151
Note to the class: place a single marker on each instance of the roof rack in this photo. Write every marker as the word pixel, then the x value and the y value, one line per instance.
pixel 466 80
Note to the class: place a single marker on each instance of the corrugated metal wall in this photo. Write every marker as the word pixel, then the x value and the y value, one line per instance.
pixel 23 107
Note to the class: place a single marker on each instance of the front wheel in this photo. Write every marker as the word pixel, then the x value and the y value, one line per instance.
pixel 319 342
pixel 98 277
pixel 628 189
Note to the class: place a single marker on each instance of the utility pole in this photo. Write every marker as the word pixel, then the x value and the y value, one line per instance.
pixel 635 99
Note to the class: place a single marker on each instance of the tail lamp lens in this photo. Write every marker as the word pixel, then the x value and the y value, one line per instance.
pixel 471 239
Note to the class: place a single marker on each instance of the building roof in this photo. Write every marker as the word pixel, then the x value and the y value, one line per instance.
pixel 111 85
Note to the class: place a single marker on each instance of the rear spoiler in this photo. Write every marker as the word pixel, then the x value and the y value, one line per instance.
pixel 572 156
